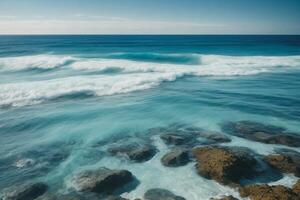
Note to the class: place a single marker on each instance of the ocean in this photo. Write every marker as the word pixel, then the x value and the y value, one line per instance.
pixel 63 99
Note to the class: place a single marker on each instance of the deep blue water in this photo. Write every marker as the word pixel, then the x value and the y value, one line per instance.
pixel 62 95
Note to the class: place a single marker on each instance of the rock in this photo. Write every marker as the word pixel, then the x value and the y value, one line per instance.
pixel 57 196
pixel 176 139
pixel 137 153
pixel 25 192
pixel 176 158
pixel 214 137
pixel 26 162
pixel 188 136
pixel 161 194
pixel 102 180
pixel 296 188
pixel 286 162
pixel 226 166
pixel 266 192
pixel 115 198
pixel 262 133
pixel 225 198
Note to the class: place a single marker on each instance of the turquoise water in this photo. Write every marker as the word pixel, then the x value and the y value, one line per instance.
pixel 60 96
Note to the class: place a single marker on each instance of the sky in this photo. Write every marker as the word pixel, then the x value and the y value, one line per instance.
pixel 149 16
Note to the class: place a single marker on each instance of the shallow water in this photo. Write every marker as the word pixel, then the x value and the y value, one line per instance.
pixel 61 96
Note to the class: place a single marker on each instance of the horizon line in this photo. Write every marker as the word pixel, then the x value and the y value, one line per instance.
pixel 139 34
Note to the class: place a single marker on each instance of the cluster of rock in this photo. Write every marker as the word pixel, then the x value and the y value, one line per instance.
pixel 227 165
pixel 268 134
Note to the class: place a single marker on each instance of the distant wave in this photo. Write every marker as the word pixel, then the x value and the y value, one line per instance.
pixel 209 65
pixel 44 62
pixel 200 62
pixel 129 75
pixel 157 57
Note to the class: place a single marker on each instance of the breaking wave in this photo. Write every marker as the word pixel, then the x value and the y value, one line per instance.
pixel 45 62
pixel 130 75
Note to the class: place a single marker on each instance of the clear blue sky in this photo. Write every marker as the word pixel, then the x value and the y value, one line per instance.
pixel 150 16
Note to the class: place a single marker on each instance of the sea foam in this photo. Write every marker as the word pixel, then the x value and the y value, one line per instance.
pixel 34 62
pixel 131 75
pixel 27 93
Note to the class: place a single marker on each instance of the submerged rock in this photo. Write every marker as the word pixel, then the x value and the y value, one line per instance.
pixel 135 152
pixel 285 161
pixel 267 192
pixel 183 135
pixel 225 165
pixel 177 139
pixel 262 133
pixel 214 137
pixel 102 180
pixel 25 162
pixel 225 198
pixel 25 192
pixel 161 194
pixel 68 196
pixel 115 198
pixel 175 158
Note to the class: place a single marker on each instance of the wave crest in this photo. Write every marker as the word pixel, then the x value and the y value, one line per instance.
pixel 29 93
pixel 130 75
pixel 34 62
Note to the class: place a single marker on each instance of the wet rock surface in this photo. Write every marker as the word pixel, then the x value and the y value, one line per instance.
pixel 267 192
pixel 182 135
pixel 175 158
pixel 115 198
pixel 214 137
pixel 134 151
pixel 262 133
pixel 135 148
pixel 286 161
pixel 25 192
pixel 296 188
pixel 161 194
pixel 225 165
pixel 102 180
pixel 225 198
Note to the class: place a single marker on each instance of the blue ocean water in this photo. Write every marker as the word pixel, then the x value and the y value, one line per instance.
pixel 60 96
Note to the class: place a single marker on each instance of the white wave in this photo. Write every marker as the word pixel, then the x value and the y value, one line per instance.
pixel 28 93
pixel 210 65
pixel 251 61
pixel 134 75
pixel 34 62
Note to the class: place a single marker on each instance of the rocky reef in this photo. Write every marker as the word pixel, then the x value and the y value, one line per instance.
pixel 259 132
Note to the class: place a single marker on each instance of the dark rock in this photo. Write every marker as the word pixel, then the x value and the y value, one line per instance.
pixel 176 158
pixel 176 139
pixel 115 198
pixel 296 188
pixel 225 198
pixel 25 192
pixel 69 196
pixel 135 152
pixel 102 180
pixel 262 133
pixel 285 161
pixel 188 136
pixel 214 137
pixel 266 192
pixel 161 194
pixel 227 166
